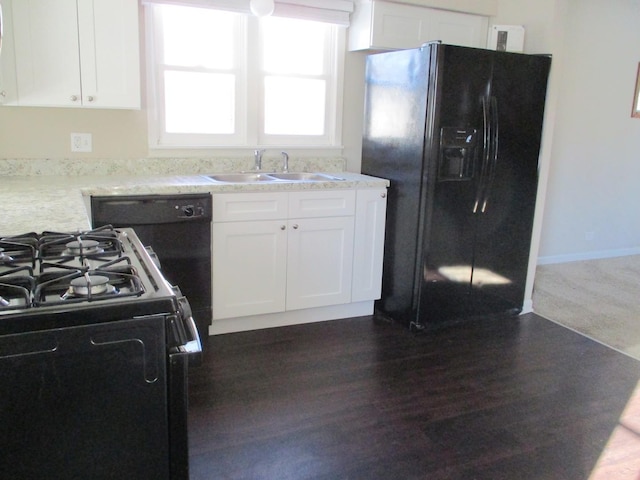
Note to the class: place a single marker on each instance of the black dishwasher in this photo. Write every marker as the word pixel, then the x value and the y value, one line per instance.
pixel 178 229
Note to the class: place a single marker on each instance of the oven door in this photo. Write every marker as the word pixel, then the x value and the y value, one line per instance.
pixel 179 360
pixel 87 401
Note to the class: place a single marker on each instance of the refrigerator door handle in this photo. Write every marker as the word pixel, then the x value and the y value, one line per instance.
pixel 486 152
pixel 495 128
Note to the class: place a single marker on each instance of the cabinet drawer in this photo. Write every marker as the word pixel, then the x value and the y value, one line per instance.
pixel 322 203
pixel 238 207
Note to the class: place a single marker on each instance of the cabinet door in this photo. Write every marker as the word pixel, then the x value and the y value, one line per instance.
pixel 249 268
pixel 390 25
pixel 46 52
pixel 457 28
pixel 320 262
pixel 8 87
pixel 368 248
pixel 109 53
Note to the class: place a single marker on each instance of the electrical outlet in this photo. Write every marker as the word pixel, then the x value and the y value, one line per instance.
pixel 81 142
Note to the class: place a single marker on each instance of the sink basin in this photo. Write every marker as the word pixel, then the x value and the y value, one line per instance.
pixel 258 177
pixel 305 177
pixel 242 177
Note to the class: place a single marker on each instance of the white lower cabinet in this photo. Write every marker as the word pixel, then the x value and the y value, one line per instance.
pixel 368 251
pixel 249 268
pixel 319 262
pixel 294 254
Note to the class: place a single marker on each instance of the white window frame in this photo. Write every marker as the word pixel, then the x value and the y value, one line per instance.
pixel 249 109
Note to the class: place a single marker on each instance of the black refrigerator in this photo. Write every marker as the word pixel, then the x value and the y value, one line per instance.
pixel 457 132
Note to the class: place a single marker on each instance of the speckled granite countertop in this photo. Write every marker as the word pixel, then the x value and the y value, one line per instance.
pixel 46 202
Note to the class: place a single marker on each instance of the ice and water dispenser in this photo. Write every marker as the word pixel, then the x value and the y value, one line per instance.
pixel 457 153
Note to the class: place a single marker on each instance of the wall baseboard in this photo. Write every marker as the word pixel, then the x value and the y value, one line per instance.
pixel 576 257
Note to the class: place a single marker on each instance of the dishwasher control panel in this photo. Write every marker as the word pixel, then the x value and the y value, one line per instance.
pixel 121 211
pixel 191 210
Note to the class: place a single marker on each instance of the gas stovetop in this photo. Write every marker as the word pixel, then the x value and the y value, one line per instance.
pixel 52 280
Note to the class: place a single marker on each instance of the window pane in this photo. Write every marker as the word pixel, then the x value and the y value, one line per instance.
pixel 294 106
pixel 199 102
pixel 293 46
pixel 194 37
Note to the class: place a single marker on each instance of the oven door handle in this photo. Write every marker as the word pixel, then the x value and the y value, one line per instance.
pixel 193 346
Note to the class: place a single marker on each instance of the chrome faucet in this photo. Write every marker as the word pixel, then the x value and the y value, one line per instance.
pixel 257 157
pixel 285 162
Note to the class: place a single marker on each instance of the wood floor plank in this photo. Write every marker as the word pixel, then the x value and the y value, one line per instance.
pixel 365 399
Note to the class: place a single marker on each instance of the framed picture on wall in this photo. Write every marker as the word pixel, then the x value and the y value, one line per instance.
pixel 635 112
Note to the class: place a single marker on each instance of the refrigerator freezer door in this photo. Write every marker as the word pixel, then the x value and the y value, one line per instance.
pixel 392 148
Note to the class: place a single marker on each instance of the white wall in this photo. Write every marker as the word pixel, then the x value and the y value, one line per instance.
pixel 593 198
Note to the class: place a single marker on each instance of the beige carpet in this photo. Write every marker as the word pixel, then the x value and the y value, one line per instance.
pixel 597 298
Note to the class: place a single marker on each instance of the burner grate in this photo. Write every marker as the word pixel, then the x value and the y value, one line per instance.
pixel 101 242
pixel 54 288
pixel 15 292
pixel 17 249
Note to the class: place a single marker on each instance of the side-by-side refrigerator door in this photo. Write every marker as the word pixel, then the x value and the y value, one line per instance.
pixel 454 155
pixel 392 148
pixel 507 204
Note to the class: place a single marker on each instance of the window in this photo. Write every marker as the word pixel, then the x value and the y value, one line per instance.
pixel 225 79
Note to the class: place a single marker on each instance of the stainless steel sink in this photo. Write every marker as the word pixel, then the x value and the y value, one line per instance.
pixel 242 177
pixel 258 177
pixel 306 177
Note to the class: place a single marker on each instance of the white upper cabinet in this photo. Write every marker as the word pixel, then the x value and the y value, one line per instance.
pixel 73 53
pixel 380 25
pixel 8 87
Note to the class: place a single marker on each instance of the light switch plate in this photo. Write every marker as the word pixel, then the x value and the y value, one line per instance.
pixel 81 142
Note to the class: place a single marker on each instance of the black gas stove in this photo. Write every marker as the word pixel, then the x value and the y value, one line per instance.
pixel 55 279
pixel 94 350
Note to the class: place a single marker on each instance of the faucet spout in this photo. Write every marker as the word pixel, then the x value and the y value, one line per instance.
pixel 257 158
pixel 285 162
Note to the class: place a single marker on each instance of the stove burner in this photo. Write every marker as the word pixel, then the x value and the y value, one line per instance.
pixel 83 247
pixel 3 302
pixel 88 285
pixel 101 242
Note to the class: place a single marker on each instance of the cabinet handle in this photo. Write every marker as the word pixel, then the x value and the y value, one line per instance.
pixel 295 227
pixel 74 98
pixel 383 195
pixel 283 227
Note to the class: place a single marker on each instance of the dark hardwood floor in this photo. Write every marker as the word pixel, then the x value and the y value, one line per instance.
pixel 501 398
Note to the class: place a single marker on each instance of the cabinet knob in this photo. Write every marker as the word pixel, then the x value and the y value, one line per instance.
pixel 3 93
pixel 74 98
pixel 383 195
pixel 283 227
pixel 295 227
pixel 91 98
